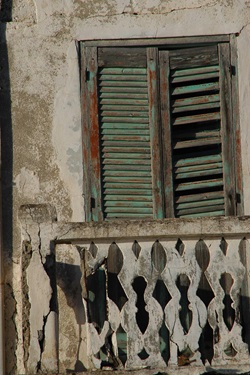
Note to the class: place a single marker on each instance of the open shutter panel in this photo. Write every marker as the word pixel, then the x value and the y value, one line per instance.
pixel 124 133
pixel 195 110
pixel 128 160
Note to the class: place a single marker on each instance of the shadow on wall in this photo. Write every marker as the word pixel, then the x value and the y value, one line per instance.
pixel 69 281
pixel 6 127
pixel 6 173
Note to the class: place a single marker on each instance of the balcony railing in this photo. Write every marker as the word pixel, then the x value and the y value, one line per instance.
pixel 151 293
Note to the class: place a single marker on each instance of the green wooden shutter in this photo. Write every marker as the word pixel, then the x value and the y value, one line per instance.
pixel 200 172
pixel 125 133
pixel 158 138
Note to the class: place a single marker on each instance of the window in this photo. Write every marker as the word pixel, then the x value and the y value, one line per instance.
pixel 159 129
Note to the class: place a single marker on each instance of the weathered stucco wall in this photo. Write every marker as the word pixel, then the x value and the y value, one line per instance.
pixel 97 262
pixel 41 73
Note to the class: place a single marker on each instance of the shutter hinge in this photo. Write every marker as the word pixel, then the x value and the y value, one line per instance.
pixel 87 75
pixel 238 198
pixel 232 70
pixel 92 203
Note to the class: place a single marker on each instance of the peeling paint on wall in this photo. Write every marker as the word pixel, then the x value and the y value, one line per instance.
pixel 39 312
pixel 27 183
pixel 67 133
pixel 11 329
pixel 43 71
pixel 26 257
pixel 24 11
pixel 96 316
pixel 73 350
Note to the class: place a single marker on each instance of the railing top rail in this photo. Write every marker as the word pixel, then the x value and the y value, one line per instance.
pixel 137 229
pixel 167 228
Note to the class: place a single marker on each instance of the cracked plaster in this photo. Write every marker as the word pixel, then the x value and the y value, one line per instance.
pixel 39 321
pixel 73 351
pixel 12 329
pixel 49 354
pixel 26 257
pixel 27 183
pixel 39 296
pixel 44 76
pixel 72 327
pixel 53 92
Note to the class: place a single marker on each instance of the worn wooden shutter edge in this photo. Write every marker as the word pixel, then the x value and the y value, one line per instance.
pixel 166 134
pixel 154 121
pixel 95 170
pixel 182 41
pixel 85 137
pixel 236 125
pixel 227 129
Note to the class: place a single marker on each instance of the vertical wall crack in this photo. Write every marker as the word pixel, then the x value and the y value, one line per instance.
pixel 13 315
pixel 41 340
pixel 26 306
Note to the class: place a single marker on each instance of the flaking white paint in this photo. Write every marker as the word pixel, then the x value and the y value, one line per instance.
pixel 66 135
pixel 27 183
pixel 72 320
pixel 49 355
pixel 39 295
pixel 46 118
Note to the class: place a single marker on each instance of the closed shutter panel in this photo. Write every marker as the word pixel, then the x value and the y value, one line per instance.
pixel 196 127
pixel 124 133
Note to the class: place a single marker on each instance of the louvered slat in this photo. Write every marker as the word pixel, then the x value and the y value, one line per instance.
pixel 125 118
pixel 200 173
pixel 128 198
pixel 125 143
pixel 196 122
pixel 184 102
pixel 181 201
pixel 195 107
pixel 118 92
pixel 124 167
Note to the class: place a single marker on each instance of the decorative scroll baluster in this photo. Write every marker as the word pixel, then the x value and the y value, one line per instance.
pixel 205 293
pixel 225 340
pixel 148 341
pixel 183 343
pixel 96 263
pixel 161 299
pixel 116 300
pixel 157 260
pixel 161 295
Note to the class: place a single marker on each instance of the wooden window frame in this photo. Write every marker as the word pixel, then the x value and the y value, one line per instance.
pixel 90 122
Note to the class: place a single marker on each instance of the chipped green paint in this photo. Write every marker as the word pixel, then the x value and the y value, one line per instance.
pixel 154 116
pixel 163 127
pixel 197 157
pixel 125 148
